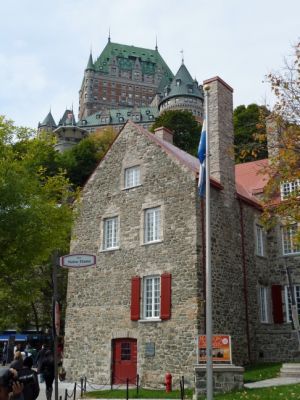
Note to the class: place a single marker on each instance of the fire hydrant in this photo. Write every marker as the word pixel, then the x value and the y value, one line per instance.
pixel 168 382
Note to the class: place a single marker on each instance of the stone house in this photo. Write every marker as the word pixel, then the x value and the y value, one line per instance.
pixel 141 308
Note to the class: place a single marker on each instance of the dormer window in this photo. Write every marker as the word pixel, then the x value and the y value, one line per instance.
pixel 132 177
pixel 178 82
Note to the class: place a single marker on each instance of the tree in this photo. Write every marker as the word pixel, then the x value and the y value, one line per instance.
pixel 81 160
pixel 35 219
pixel 184 126
pixel 250 132
pixel 284 163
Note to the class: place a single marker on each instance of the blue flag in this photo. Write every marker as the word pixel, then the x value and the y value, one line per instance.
pixel 201 156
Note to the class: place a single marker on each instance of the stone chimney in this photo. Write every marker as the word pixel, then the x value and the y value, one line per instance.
pixel 273 130
pixel 164 134
pixel 220 113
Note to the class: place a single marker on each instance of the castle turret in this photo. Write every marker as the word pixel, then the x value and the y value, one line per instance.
pixel 68 133
pixel 183 94
pixel 48 124
pixel 86 97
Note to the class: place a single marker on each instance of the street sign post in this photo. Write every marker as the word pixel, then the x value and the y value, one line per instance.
pixel 77 260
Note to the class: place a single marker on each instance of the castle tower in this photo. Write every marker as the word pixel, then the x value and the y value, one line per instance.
pixel 48 124
pixel 183 94
pixel 86 97
pixel 68 133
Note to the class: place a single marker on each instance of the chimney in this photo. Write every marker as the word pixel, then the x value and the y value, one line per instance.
pixel 220 121
pixel 164 134
pixel 273 130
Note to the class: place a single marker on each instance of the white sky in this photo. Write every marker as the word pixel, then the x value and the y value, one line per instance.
pixel 44 45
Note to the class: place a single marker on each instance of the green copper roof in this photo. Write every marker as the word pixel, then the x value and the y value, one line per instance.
pixel 67 119
pixel 48 121
pixel 120 116
pixel 183 85
pixel 90 64
pixel 126 56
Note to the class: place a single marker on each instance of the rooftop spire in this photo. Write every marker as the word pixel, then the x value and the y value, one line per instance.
pixel 90 64
pixel 182 56
pixel 109 35
pixel 156 48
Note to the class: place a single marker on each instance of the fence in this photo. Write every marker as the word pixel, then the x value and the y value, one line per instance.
pixel 84 382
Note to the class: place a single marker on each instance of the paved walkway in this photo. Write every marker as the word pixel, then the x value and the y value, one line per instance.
pixel 272 382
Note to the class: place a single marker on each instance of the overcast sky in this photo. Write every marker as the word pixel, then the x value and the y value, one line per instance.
pixel 44 45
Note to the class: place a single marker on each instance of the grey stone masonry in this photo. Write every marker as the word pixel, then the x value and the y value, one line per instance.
pixel 221 135
pixel 225 378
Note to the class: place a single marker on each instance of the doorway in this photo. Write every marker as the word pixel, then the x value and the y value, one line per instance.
pixel 124 361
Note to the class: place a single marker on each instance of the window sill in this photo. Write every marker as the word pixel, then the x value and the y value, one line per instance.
pixel 126 189
pixel 154 242
pixel 108 250
pixel 261 256
pixel 149 320
pixel 297 254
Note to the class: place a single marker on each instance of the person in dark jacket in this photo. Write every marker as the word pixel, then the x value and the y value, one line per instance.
pixel 4 353
pixel 31 390
pixel 39 358
pixel 47 370
pixel 8 391
pixel 17 363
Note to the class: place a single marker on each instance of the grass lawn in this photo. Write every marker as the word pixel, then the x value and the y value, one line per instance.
pixel 259 372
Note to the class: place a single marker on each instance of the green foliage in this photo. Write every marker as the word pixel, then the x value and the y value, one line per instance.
pixel 259 372
pixel 185 128
pixel 35 219
pixel 250 132
pixel 288 392
pixel 81 160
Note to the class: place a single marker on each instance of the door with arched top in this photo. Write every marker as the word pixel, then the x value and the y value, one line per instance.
pixel 124 360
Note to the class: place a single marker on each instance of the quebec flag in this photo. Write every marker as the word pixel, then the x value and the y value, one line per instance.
pixel 201 156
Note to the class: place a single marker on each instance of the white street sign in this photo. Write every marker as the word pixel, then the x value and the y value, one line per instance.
pixel 77 260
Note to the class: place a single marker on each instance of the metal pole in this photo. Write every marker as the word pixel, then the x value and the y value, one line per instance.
pixel 55 339
pixel 209 364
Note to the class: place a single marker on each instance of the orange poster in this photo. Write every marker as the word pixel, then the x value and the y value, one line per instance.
pixel 221 348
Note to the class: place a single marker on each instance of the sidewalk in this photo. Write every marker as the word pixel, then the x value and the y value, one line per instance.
pixel 272 382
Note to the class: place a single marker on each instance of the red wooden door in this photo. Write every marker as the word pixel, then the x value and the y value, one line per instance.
pixel 124 360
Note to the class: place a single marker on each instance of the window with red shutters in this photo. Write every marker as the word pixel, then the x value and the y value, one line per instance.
pixel 135 298
pixel 165 296
pixel 277 304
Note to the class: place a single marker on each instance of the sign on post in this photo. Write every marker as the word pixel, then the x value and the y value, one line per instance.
pixel 221 348
pixel 77 260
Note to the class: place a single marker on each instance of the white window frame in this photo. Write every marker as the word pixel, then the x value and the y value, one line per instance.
pixel 132 177
pixel 289 187
pixel 152 225
pixel 259 236
pixel 151 297
pixel 288 233
pixel 263 304
pixel 110 233
pixel 288 301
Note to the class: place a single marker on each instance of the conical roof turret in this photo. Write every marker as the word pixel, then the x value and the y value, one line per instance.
pixel 90 64
pixel 48 121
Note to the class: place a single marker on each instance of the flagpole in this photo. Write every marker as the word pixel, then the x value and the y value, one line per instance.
pixel 209 364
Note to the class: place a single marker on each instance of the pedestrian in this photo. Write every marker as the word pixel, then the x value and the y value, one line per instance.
pixel 4 353
pixel 17 348
pixel 27 350
pixel 17 363
pixel 31 389
pixel 47 370
pixel 8 390
pixel 39 359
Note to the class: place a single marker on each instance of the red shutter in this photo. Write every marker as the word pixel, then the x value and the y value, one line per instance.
pixel 277 304
pixel 165 296
pixel 135 298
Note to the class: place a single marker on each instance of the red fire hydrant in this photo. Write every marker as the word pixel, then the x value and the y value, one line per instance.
pixel 168 382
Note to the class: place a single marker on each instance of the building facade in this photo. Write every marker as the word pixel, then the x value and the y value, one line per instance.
pixel 140 309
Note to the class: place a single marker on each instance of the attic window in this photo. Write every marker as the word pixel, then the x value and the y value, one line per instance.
pixel 178 82
pixel 121 119
pixel 190 90
pixel 97 116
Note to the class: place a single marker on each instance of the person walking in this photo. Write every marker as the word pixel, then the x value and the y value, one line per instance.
pixel 47 370
pixel 32 389
pixel 17 363
pixel 40 357
pixel 4 353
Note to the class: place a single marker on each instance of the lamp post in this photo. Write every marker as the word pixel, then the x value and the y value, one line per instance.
pixel 54 322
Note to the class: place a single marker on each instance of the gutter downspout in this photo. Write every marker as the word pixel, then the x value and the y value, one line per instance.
pixel 245 279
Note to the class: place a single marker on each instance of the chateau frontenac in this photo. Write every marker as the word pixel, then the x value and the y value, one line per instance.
pixel 125 83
